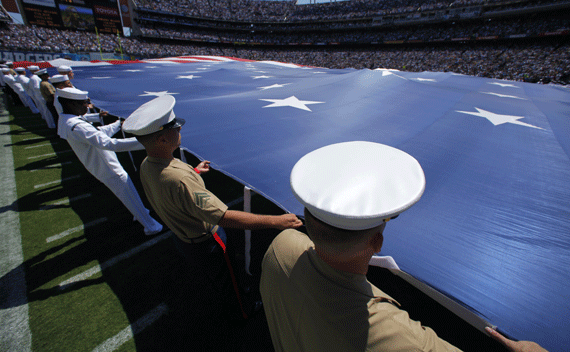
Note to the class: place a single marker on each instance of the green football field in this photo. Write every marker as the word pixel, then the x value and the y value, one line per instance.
pixel 77 274
pixel 92 280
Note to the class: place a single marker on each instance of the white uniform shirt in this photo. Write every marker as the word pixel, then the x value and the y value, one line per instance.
pixel 62 129
pixel 11 81
pixel 34 84
pixel 95 147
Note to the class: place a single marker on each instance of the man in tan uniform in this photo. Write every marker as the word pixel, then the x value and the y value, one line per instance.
pixel 178 194
pixel 314 288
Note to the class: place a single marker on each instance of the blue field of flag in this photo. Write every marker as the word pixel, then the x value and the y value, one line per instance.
pixel 493 227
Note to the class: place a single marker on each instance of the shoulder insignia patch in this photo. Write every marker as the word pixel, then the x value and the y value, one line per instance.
pixel 201 198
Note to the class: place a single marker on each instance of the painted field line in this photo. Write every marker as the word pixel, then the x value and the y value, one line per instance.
pixel 52 166
pixel 75 229
pixel 15 334
pixel 41 145
pixel 57 181
pixel 130 331
pixel 34 126
pixel 50 154
pixel 65 201
pixel 40 137
pixel 107 264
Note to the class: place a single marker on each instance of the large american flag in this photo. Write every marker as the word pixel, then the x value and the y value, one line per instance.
pixel 493 227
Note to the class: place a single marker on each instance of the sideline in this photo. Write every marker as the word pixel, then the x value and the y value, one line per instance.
pixel 15 332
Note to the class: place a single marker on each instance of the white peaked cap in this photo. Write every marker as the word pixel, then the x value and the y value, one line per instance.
pixel 72 93
pixel 20 69
pixel 64 68
pixel 5 69
pixel 58 78
pixel 33 68
pixel 153 116
pixel 376 183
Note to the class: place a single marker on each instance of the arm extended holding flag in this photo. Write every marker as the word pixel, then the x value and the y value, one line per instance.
pixel 102 114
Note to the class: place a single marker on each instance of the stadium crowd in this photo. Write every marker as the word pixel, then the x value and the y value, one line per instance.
pixel 440 32
pixel 288 11
pixel 531 62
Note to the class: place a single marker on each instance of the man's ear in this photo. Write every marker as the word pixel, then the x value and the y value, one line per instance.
pixel 376 242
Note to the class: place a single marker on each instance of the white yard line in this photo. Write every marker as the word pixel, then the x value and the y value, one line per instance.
pixel 57 181
pixel 50 154
pixel 15 332
pixel 130 331
pixel 65 201
pixel 41 145
pixel 52 166
pixel 96 269
pixel 75 229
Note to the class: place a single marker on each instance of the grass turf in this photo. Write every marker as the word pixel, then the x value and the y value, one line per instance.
pixel 144 301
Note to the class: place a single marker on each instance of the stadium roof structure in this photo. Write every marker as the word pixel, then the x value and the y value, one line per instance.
pixel 492 228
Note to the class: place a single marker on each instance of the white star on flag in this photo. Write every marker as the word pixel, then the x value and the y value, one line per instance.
pixel 257 77
pixel 155 94
pixel 386 72
pixel 187 77
pixel 504 84
pixel 106 77
pixel 426 79
pixel 133 70
pixel 504 95
pixel 273 86
pixel 292 101
pixel 498 119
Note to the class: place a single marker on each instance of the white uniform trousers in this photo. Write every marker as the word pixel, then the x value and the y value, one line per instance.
pixel 122 186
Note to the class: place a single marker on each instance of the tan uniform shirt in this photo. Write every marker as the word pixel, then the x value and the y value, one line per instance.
pixel 178 195
pixel 47 90
pixel 312 307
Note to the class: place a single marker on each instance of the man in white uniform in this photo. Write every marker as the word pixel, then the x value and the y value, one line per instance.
pixel 16 87
pixel 96 149
pixel 34 88
pixel 23 80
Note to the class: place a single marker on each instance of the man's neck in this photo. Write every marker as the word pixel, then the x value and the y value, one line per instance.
pixel 159 154
pixel 354 265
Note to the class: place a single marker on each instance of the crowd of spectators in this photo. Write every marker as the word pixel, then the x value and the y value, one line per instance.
pixel 33 38
pixel 527 26
pixel 288 11
pixel 537 60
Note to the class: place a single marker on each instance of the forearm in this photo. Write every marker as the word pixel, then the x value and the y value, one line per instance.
pixel 241 220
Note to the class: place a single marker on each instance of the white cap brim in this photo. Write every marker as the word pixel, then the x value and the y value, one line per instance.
pixel 357 185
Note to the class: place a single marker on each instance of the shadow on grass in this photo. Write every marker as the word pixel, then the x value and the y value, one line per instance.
pixel 190 318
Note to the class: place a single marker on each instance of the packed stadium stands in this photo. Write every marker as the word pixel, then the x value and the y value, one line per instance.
pixel 517 40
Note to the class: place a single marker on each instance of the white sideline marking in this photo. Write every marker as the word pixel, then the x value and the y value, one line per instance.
pixel 41 145
pixel 96 269
pixel 65 201
pixel 33 138
pixel 34 126
pixel 50 154
pixel 15 334
pixel 57 181
pixel 130 331
pixel 52 166
pixel 75 229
